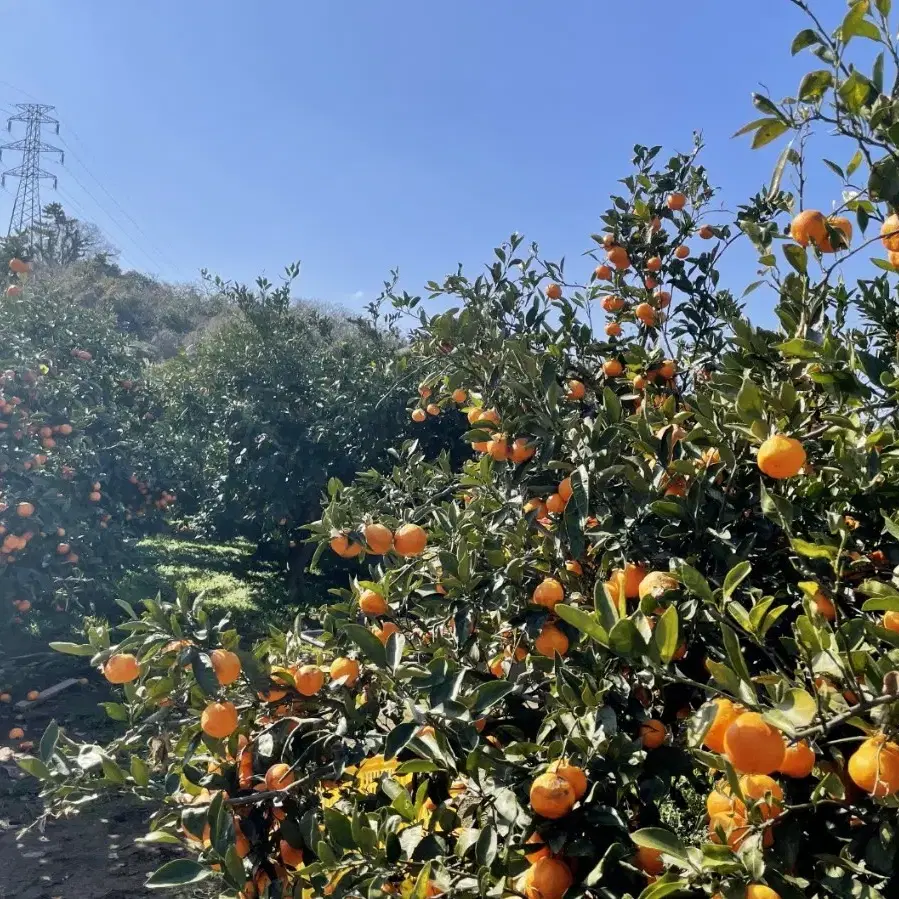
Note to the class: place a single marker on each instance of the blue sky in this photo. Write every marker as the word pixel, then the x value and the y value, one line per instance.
pixel 358 136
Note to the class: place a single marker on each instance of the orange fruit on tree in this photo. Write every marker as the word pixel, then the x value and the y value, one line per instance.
pixel 372 603
pixel 279 777
pixel 757 788
pixel 611 303
pixel 799 760
pixel 753 746
pixel 410 540
pixel 733 827
pixel 874 766
pixel 706 232
pixel 433 409
pixel 612 368
pixel 551 641
pixel 653 264
pixel 633 576
pixel 760 891
pixel 566 491
pixel 378 538
pixel 668 369
pixel 5 697
pixel 16 733
pixel 652 733
pixel 555 505
pixel 121 668
pixel 226 665
pixel 219 719
pixel 662 299
pixel 682 252
pixel 309 679
pixel 542 851
pixel 344 548
pixel 419 415
pixel 498 447
pixel 649 861
pixel 613 329
pixel 576 776
pixel 548 593
pixel 552 796
pixel 720 801
pixel 521 450
pixel 554 292
pixel 576 390
pixel 646 314
pixel 549 878
pixel 781 457
pixel 291 857
pixel 345 668
pixel 676 201
pixel 574 567
pixel 25 510
pixel 824 606
pixel 617 257
pixel 889 233
pixel 535 505
pixel 656 584
pixel 31 695
pixel 726 712
pixel 602 273
pixel 891 621
pixel 384 632
pixel 808 227
pixel 843 228
pixel 460 395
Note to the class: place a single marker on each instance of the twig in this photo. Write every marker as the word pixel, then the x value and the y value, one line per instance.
pixel 859 709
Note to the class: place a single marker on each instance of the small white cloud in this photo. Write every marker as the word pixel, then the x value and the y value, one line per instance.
pixel 358 295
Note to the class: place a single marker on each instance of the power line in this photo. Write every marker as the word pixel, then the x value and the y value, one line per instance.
pixel 162 255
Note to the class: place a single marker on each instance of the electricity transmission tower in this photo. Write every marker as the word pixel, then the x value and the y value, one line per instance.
pixel 26 211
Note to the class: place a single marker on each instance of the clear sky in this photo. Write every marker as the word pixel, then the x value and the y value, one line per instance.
pixel 358 136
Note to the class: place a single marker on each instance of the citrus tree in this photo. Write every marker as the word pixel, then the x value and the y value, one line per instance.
pixel 74 476
pixel 646 642
pixel 271 404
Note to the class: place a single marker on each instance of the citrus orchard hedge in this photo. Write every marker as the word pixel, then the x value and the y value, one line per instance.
pixel 74 478
pixel 646 643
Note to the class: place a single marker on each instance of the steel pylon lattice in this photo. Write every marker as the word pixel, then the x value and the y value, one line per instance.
pixel 26 211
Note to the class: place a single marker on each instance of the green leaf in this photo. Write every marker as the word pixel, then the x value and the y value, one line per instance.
pixel 735 577
pixel 876 588
pixel 48 741
pixel 750 126
pixel 696 583
pixel 367 642
pixel 486 846
pixel 203 671
pixel 72 649
pixel 777 177
pixel 115 710
pixel 881 604
pixel 612 405
pixel 890 526
pixel 771 130
pixel 796 710
pixel 665 634
pixel 140 771
pixel 159 836
pixel 176 873
pixel 854 92
pixel 418 766
pixel 605 606
pixel 798 348
pixel 797 257
pixel 806 38
pixel 625 639
pixel 584 622
pixel 813 550
pixel 489 694
pixel 667 885
pixel 884 6
pixel 814 85
pixel 749 402
pixel 854 163
pixel 338 828
pixel 33 766
pixel 662 840
pixel 735 654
